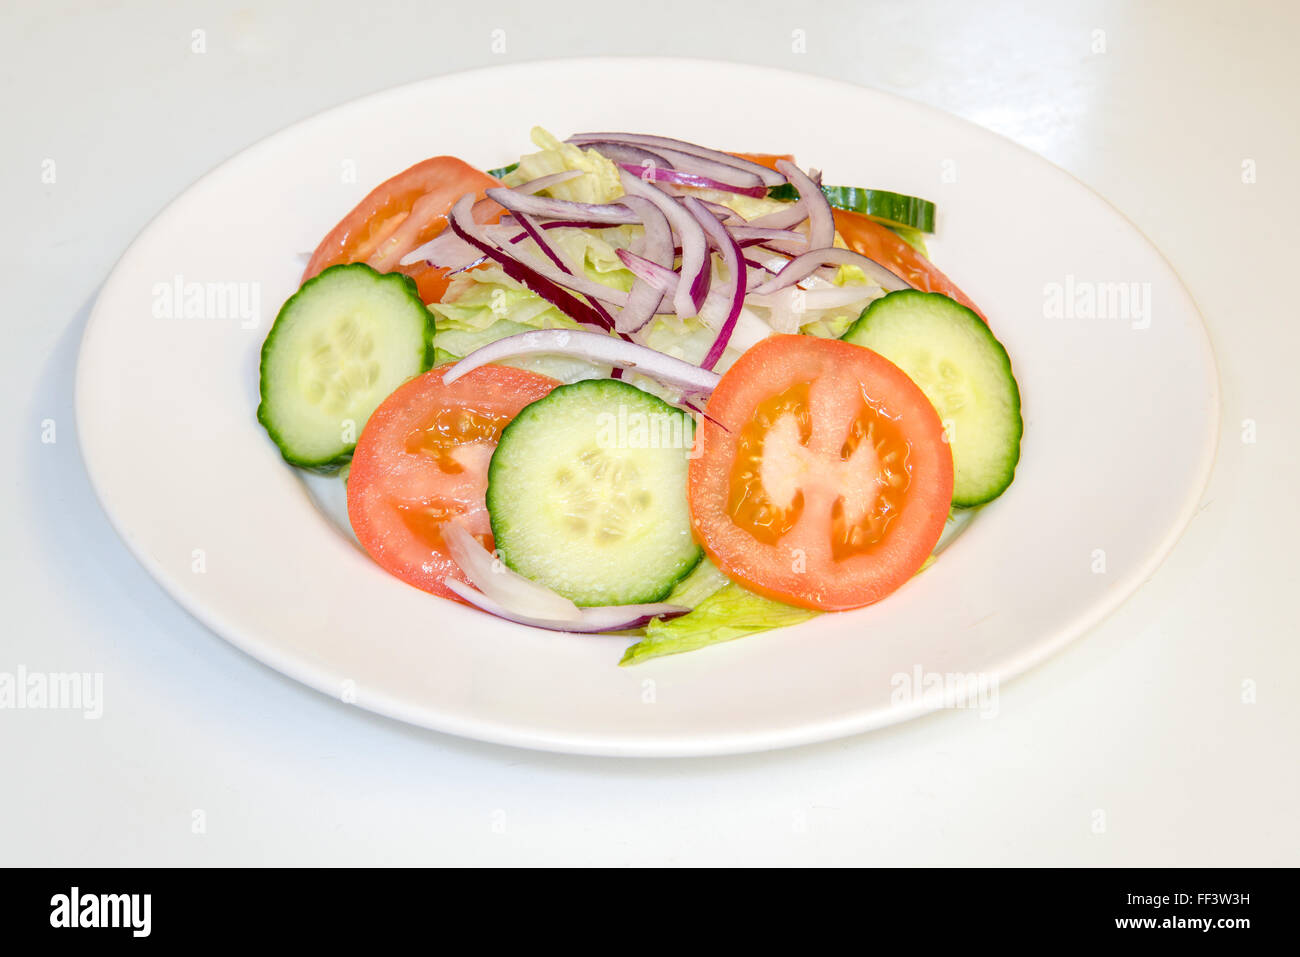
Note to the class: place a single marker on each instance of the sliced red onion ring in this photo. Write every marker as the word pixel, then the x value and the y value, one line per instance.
pixel 749 328
pixel 449 250
pixel 821 220
pixel 657 246
pixel 662 278
pixel 562 275
pixel 520 236
pixel 589 620
pixel 546 182
pixel 625 153
pixel 810 262
pixel 594 347
pixel 724 213
pixel 813 299
pixel 547 208
pixel 752 235
pixel 681 178
pixel 459 220
pixel 714 174
pixel 792 215
pixel 500 583
pixel 732 261
pixel 661 143
pixel 696 268
pixel 594 289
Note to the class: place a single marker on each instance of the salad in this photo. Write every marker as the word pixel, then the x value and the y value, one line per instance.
pixel 637 386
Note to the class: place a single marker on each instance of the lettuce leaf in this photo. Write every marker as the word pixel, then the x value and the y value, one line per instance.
pixel 600 185
pixel 451 344
pixel 702 582
pixel 727 614
pixel 480 297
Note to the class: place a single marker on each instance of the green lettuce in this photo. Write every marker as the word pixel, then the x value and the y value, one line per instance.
pixel 728 613
pixel 478 298
pixel 450 344
pixel 703 581
pixel 600 185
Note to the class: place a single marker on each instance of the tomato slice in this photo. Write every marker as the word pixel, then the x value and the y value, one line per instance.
pixel 423 458
pixel 868 237
pixel 823 479
pixel 398 215
pixel 765 159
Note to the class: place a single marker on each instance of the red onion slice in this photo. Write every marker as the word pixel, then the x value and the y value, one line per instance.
pixel 662 278
pixel 753 235
pixel 593 290
pixel 589 620
pixel 696 268
pixel 500 583
pixel 459 221
pixel 683 178
pixel 595 347
pixel 792 215
pixel 626 153
pixel 656 245
pixel 561 275
pixel 613 213
pixel 813 300
pixel 808 263
pixel 660 143
pixel 449 250
pixel 546 182
pixel 724 213
pixel 821 220
pixel 732 261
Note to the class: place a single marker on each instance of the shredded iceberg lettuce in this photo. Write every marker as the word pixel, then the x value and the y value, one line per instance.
pixel 600 185
pixel 730 612
pixel 450 344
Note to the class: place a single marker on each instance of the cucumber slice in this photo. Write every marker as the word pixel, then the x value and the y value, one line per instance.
pixel 340 346
pixel 949 352
pixel 889 209
pixel 587 494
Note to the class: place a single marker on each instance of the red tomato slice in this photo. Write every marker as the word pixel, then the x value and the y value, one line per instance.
pixel 825 480
pixel 423 458
pixel 868 237
pixel 398 215
pixel 765 159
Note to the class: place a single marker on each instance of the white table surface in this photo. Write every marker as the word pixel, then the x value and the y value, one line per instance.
pixel 1143 719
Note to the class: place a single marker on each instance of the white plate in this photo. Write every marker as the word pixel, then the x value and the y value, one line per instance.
pixel 1121 415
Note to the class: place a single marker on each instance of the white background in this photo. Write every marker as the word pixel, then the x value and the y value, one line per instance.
pixel 1143 719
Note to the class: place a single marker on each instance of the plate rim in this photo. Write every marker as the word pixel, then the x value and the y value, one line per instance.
pixel 667 744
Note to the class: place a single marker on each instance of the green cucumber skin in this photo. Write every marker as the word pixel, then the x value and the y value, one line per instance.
pixel 886 208
pixel 908 298
pixel 502 486
pixel 332 464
